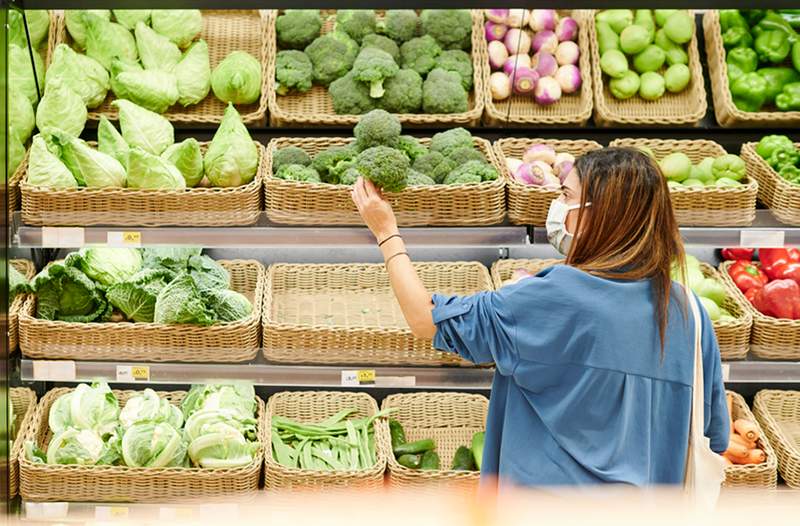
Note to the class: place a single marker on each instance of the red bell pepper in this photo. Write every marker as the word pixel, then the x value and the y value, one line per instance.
pixel 779 299
pixel 794 254
pixel 772 258
pixel 789 270
pixel 746 275
pixel 736 254
pixel 751 294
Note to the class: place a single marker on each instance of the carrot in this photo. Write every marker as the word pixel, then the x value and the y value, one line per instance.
pixel 736 450
pixel 747 429
pixel 739 439
pixel 755 456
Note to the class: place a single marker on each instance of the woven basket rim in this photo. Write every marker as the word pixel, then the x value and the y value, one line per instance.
pixel 782 184
pixel 771 464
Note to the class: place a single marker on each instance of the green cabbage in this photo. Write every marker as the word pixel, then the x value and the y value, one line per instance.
pixel 147 406
pixel 16 151
pixel 174 259
pixel 90 167
pixel 46 169
pixel 92 407
pixel 229 305
pixel 106 265
pixel 130 17
pixel 82 447
pixel 61 110
pixel 181 26
pixel 200 421
pixel 65 293
pixel 207 274
pixel 21 117
pixel 146 170
pixel 151 89
pixel 106 41
pixel 38 27
pixel 232 157
pixel 181 302
pixel 193 74
pixel 83 75
pixel 21 80
pixel 76 25
pixel 238 398
pixel 188 159
pixel 156 51
pixel 140 127
pixel 110 142
pixel 136 298
pixel 153 445
pixel 237 78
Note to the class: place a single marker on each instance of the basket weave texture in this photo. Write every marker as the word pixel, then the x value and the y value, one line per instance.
pixel 529 204
pixel 27 269
pixel 778 412
pixel 709 205
pixel 229 206
pixel 300 203
pixel 574 109
pixel 224 31
pixel 450 419
pixel 73 483
pixel 728 115
pixel 315 406
pixel 316 107
pixel 778 194
pixel 347 314
pixel 763 475
pixel 685 108
pixel 236 341
pixel 23 400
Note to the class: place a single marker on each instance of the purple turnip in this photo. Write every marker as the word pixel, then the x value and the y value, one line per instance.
pixel 494 31
pixel 567 52
pixel 524 81
pixel 516 61
pixel 517 41
pixel 524 174
pixel 543 19
pixel 498 16
pixel 513 163
pixel 567 29
pixel 551 182
pixel 500 85
pixel 544 63
pixel 498 54
pixel 545 41
pixel 547 91
pixel 518 17
pixel 569 78
pixel 539 152
pixel 563 169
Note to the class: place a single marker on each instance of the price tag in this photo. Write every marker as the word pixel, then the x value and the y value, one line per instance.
pixel 105 513
pixel 46 510
pixel 133 373
pixel 124 239
pixel 54 371
pixel 358 378
pixel 726 372
pixel 173 514
pixel 62 237
pixel 396 381
pixel 762 238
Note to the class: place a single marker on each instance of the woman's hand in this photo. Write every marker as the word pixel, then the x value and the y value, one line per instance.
pixel 376 211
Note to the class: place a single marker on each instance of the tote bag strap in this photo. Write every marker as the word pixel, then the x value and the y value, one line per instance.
pixel 697 421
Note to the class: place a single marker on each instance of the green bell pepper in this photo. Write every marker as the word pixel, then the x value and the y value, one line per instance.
pixel 749 91
pixel 773 46
pixel 774 21
pixel 730 166
pixel 770 143
pixel 753 16
pixel 796 55
pixel 792 16
pixel 729 18
pixel 734 72
pixel 745 58
pixel 790 173
pixel 737 37
pixel 776 79
pixel 785 156
pixel 789 98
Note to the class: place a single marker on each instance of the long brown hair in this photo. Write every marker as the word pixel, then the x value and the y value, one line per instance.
pixel 630 229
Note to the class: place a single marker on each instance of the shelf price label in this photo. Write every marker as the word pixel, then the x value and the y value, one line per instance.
pixel 133 373
pixel 762 238
pixel 358 378
pixel 54 371
pixel 62 237
pixel 124 239
pixel 726 372
pixel 104 513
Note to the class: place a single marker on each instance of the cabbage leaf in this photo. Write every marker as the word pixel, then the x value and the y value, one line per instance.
pixel 208 274
pixel 76 24
pixel 21 80
pixel 67 294
pixel 107 265
pixel 188 159
pixel 90 167
pixel 156 51
pixel 82 447
pixel 153 445
pixel 232 157
pixel 193 74
pixel 141 127
pixel 181 26
pixel 61 110
pixel 16 152
pixel 92 407
pixel 175 259
pixel 38 27
pixel 151 89
pixel 128 18
pixel 147 406
pixel 110 141
pixel 46 169
pixel 229 305
pixel 146 170
pixel 108 40
pixel 136 298
pixel 83 75
pixel 237 78
pixel 21 117
pixel 181 302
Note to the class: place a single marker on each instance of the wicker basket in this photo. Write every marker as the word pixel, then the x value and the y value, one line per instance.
pixel 753 475
pixel 450 419
pixel 224 31
pixel 48 482
pixel 27 269
pixel 778 412
pixel 347 314
pixel 528 204
pixel 315 107
pixel 296 203
pixel 23 401
pixel 573 109
pixel 236 341
pixel 229 206
pixel 728 115
pixel 314 406
pixel 685 108
pixel 707 206
pixel 778 194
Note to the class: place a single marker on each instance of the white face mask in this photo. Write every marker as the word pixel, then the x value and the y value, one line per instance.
pixel 556 225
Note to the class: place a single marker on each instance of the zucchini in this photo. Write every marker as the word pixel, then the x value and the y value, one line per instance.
pixel 463 460
pixel 410 461
pixel 397 433
pixel 420 446
pixel 430 461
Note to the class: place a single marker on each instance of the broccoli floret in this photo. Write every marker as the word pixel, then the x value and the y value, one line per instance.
pixel 418 179
pixel 298 172
pixel 293 71
pixel 399 24
pixel 377 128
pixel 411 147
pixel 328 162
pixel 457 61
pixel 350 176
pixel 461 178
pixel 383 43
pixel 350 97
pixel 402 93
pixel 442 92
pixel 452 28
pixel 332 56
pixel 471 172
pixel 434 165
pixel 289 155
pixel 420 54
pixel 447 142
pixel 297 28
pixel 384 166
pixel 466 154
pixel 357 23
pixel 372 66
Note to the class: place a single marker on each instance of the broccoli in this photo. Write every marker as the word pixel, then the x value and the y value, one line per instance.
pixel 357 23
pixel 289 155
pixel 442 92
pixel 471 172
pixel 419 179
pixel 384 166
pixel 350 176
pixel 434 165
pixel 452 28
pixel 372 66
pixel 411 147
pixel 420 54
pixel 399 24
pixel 350 97
pixel 299 173
pixel 329 163
pixel 457 61
pixel 465 154
pixel 293 70
pixel 383 43
pixel 332 56
pixel 377 128
pixel 402 93
pixel 456 177
pixel 297 28
pixel 447 142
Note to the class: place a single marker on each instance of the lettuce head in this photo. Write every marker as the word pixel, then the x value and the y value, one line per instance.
pixel 143 128
pixel 175 259
pixel 181 26
pixel 38 26
pixel 90 167
pixel 154 90
pixel 128 18
pixel 61 110
pixel 181 302
pixel 232 157
pixel 46 169
pixel 188 159
pixel 156 51
pixel 207 274
pixel 237 78
pixel 229 305
pixel 65 293
pixel 110 141
pixel 193 74
pixel 83 447
pixel 92 407
pixel 76 25
pixel 107 265
pixel 21 80
pixel 83 75
pixel 238 398
pixel 146 170
pixel 108 40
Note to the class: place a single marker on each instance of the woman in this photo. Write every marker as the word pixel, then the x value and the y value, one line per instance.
pixel 594 358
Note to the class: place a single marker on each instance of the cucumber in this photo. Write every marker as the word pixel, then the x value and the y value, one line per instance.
pixel 430 461
pixel 397 433
pixel 420 446
pixel 463 460
pixel 410 461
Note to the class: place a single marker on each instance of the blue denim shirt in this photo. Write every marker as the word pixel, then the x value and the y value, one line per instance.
pixel 582 393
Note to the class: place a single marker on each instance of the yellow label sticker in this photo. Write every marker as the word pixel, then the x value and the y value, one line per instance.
pixel 124 239
pixel 133 373
pixel 140 372
pixel 132 238
pixel 366 376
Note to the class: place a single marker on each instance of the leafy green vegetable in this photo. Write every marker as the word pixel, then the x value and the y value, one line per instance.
pixel 207 274
pixel 153 445
pixel 65 293
pixel 156 51
pixel 130 17
pixel 82 447
pixel 237 78
pixel 83 75
pixel 107 40
pixel 76 24
pixel 143 128
pixel 146 170
pixel 61 111
pixel 181 26
pixel 106 265
pixel 237 398
pixel 92 407
pixel 46 169
pixel 188 159
pixel 21 117
pixel 147 406
pixel 193 74
pixel 200 421
pixel 38 27
pixel 175 259
pixel 136 297
pixel 181 302
pixel 21 79
pixel 17 284
pixel 222 446
pixel 110 142
pixel 89 166
pixel 151 89
pixel 16 152
pixel 229 305
pixel 232 157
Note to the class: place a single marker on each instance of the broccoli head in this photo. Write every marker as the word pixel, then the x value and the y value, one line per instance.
pixel 384 166
pixel 299 173
pixel 452 28
pixel 466 154
pixel 350 97
pixel 471 172
pixel 293 71
pixel 434 165
pixel 420 54
pixel 418 179
pixel 447 142
pixel 289 155
pixel 357 23
pixel 383 43
pixel 402 93
pixel 372 66
pixel 332 56
pixel 457 61
pixel 377 128
pixel 411 147
pixel 350 176
pixel 442 92
pixel 297 28
pixel 329 163
pixel 399 24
